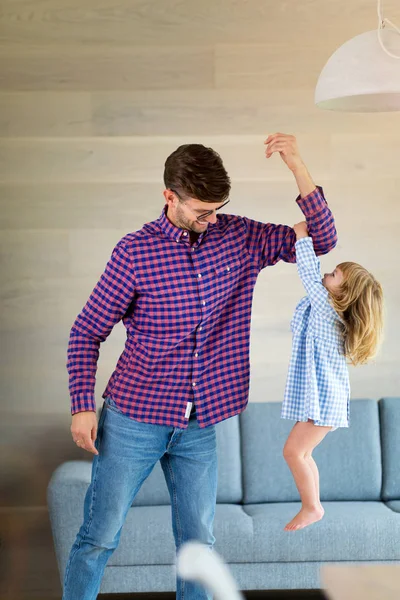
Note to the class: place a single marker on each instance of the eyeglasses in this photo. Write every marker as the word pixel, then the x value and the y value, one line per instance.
pixel 203 215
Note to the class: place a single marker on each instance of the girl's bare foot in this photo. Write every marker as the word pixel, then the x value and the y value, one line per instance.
pixel 305 517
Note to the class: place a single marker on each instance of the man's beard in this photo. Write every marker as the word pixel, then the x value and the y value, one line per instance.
pixel 183 223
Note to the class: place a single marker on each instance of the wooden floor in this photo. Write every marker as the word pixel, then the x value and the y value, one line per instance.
pixel 28 568
pixel 256 595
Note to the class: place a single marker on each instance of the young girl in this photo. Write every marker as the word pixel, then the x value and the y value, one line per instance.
pixel 340 318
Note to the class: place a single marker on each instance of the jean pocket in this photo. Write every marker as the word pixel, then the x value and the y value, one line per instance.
pixel 111 405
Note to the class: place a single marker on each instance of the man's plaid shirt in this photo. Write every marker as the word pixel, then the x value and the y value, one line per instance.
pixel 186 309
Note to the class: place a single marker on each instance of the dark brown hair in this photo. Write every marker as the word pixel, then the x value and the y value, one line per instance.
pixel 197 172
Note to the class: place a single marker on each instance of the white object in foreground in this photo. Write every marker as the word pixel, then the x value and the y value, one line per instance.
pixel 196 562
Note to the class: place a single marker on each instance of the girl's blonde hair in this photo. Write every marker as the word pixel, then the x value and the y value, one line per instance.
pixel 359 301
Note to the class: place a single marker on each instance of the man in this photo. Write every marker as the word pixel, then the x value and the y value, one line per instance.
pixel 183 286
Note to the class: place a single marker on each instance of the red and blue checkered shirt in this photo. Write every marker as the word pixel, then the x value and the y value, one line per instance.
pixel 186 309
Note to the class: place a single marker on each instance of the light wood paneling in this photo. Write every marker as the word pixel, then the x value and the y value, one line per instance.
pixel 179 112
pixel 45 114
pixel 223 112
pixel 126 206
pixel 140 22
pixel 366 156
pixel 33 367
pixel 75 206
pixel 93 98
pixel 75 68
pixel 33 304
pixel 261 66
pixel 142 158
pixel 33 254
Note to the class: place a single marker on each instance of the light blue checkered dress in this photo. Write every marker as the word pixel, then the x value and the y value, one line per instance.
pixel 317 386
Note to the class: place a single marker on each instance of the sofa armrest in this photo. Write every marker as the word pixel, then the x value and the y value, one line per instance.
pixel 65 499
pixel 389 410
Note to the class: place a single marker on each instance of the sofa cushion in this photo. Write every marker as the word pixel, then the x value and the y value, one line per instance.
pixel 154 490
pixel 349 531
pixel 147 538
pixel 343 475
pixel 390 428
pixel 394 505
pixel 75 475
pixel 229 461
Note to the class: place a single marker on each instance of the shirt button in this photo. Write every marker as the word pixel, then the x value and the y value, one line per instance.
pixel 192 249
pixel 228 268
pixel 196 354
pixel 177 240
pixel 185 233
pixel 204 302
pixel 200 328
pixel 194 384
pixel 199 275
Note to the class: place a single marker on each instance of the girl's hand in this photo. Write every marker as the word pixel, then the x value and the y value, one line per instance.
pixel 286 145
pixel 301 230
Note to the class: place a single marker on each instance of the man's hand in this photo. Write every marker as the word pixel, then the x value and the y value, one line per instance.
pixel 286 145
pixel 84 430
pixel 301 230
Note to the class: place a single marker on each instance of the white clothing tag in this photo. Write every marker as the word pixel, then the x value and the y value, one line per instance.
pixel 188 409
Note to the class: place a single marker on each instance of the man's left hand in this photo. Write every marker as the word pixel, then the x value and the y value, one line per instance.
pixel 286 145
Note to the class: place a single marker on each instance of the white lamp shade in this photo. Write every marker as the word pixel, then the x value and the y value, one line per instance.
pixel 360 76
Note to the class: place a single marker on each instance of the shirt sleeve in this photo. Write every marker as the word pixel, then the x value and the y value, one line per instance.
pixel 268 243
pixel 106 306
pixel 309 269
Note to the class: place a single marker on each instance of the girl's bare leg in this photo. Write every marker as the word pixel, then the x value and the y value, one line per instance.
pixel 314 469
pixel 302 440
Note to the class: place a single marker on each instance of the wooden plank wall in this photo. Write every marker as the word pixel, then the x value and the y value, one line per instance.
pixel 94 96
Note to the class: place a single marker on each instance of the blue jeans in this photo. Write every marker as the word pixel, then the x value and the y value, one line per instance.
pixel 128 451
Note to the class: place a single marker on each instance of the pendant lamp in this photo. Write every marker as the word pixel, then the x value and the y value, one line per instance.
pixel 363 75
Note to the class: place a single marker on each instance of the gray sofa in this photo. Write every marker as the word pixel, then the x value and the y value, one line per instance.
pixel 360 490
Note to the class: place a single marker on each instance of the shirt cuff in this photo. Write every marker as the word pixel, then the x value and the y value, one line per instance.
pixel 313 203
pixel 83 402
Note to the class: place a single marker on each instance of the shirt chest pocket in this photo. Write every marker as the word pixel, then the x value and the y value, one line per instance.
pixel 226 276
